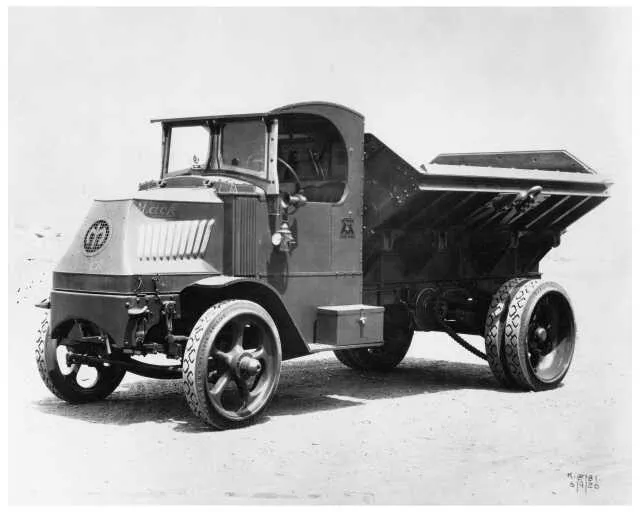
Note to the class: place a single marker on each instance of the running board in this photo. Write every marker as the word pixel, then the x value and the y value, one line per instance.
pixel 314 348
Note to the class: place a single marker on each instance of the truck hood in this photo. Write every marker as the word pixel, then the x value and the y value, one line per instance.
pixel 156 231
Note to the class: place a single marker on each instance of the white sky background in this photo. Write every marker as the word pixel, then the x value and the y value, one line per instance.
pixel 83 84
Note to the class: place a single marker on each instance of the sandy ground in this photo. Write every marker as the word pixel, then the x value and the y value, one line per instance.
pixel 437 430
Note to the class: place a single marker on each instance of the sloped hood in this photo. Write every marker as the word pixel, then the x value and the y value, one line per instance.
pixel 154 231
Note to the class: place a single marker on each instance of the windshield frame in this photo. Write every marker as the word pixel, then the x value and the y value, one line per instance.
pixel 167 145
pixel 265 179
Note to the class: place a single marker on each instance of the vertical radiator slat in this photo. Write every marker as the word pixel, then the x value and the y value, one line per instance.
pixel 240 254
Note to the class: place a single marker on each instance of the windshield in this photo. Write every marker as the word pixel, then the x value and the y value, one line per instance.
pixel 244 145
pixel 189 148
pixel 235 146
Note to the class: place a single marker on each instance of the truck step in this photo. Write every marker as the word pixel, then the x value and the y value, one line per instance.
pixel 323 347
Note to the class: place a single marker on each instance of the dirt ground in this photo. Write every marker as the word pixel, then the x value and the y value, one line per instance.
pixel 438 430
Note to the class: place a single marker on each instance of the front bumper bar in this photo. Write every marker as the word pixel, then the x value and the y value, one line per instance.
pixel 110 312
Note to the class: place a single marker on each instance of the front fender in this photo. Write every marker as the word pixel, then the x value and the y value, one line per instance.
pixel 202 294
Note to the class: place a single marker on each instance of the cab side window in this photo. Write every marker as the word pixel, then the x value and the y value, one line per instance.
pixel 311 156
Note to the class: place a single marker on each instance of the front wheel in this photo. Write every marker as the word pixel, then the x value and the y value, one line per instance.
pixel 74 383
pixel 231 364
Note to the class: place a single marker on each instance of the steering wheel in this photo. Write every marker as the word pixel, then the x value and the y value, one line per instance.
pixel 293 173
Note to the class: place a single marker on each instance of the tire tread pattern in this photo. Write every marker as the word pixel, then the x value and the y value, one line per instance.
pixel 512 336
pixel 494 330
pixel 189 382
pixel 41 340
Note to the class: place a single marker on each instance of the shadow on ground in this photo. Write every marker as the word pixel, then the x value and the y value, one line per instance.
pixel 306 386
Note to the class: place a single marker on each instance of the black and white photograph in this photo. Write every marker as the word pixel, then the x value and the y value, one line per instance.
pixel 340 255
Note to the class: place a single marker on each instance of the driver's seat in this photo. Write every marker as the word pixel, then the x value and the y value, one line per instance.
pixel 328 192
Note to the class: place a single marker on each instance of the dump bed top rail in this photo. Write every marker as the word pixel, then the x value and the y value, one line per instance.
pixel 466 177
pixel 555 160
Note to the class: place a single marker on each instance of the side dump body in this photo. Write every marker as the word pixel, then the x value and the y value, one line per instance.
pixel 275 235
pixel 471 219
pixel 372 231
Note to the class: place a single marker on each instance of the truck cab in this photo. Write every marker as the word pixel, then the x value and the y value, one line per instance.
pixel 291 182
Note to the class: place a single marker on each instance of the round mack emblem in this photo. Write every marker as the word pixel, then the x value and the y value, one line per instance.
pixel 96 237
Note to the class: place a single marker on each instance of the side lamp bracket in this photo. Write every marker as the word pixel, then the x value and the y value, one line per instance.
pixel 283 239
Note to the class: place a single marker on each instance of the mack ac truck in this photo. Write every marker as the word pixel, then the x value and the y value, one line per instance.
pixel 276 235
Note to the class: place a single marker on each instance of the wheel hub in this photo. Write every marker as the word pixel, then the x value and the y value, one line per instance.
pixel 541 334
pixel 248 366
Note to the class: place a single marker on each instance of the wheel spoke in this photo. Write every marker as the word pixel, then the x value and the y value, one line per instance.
pixel 219 386
pixel 238 334
pixel 258 353
pixel 244 391
pixel 222 356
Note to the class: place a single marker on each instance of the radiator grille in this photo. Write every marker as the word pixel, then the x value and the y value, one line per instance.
pixel 174 240
pixel 241 239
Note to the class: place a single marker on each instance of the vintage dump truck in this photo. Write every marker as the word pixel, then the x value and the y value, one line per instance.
pixel 276 235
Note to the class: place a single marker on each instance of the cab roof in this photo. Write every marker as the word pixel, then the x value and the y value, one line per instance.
pixel 286 109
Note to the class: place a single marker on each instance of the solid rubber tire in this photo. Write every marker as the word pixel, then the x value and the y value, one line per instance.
pixel 194 364
pixel 515 339
pixel 494 330
pixel 65 388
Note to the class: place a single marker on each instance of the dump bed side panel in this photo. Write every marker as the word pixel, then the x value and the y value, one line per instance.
pixel 457 221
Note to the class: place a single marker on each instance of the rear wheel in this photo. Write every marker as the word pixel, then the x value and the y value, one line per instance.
pixel 345 357
pixel 231 364
pixel 74 383
pixel 539 335
pixel 397 340
pixel 494 330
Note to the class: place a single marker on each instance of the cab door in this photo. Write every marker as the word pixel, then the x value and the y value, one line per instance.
pixel 323 163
